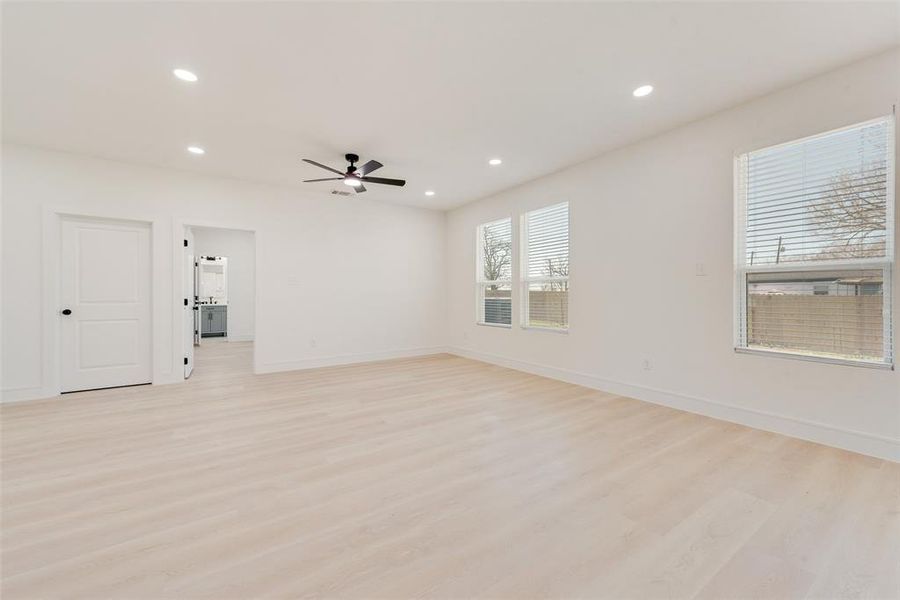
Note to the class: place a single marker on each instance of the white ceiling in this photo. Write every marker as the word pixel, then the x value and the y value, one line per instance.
pixel 432 90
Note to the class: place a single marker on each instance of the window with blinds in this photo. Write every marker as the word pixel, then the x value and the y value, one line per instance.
pixel 815 245
pixel 545 267
pixel 494 273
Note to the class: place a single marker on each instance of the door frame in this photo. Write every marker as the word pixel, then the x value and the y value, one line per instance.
pixel 188 261
pixel 178 226
pixel 51 293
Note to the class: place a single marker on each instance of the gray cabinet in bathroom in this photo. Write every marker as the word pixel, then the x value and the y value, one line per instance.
pixel 213 320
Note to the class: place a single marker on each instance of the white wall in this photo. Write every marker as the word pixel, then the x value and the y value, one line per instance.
pixel 361 280
pixel 239 247
pixel 642 217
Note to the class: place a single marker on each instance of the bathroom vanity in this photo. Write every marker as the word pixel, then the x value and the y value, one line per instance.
pixel 213 320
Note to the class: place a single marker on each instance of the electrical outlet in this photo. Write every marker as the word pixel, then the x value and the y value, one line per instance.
pixel 700 270
pixel 466 335
pixel 312 342
pixel 646 364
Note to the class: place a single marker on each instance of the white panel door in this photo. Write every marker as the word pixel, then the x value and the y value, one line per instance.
pixel 190 306
pixel 106 336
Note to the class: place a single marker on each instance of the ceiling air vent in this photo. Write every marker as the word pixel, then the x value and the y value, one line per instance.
pixel 340 192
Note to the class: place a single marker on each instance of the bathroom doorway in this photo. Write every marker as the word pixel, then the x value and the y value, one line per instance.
pixel 220 295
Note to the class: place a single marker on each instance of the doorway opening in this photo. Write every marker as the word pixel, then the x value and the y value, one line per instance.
pixel 220 302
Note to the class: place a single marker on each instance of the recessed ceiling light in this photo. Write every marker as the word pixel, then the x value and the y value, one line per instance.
pixel 184 75
pixel 495 161
pixel 642 91
pixel 196 150
pixel 429 192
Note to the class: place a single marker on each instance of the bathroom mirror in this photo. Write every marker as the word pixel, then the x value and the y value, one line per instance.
pixel 213 280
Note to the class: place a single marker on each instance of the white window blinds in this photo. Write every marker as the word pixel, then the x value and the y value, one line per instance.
pixel 815 245
pixel 822 198
pixel 494 273
pixel 545 267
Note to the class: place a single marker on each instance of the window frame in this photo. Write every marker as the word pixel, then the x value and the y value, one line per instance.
pixel 525 281
pixel 481 283
pixel 884 263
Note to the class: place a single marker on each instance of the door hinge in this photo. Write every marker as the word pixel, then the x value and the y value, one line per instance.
pixel 185 360
pixel 185 243
pixel 185 301
pixel 196 332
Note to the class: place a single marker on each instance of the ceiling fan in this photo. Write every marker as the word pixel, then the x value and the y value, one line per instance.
pixel 355 177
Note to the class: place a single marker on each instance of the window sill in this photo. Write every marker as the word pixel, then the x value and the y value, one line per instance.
pixel 499 325
pixel 849 362
pixel 547 329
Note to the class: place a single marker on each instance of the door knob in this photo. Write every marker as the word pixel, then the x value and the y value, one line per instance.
pixel 67 311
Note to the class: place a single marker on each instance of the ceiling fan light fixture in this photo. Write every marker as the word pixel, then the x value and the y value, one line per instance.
pixel 352 181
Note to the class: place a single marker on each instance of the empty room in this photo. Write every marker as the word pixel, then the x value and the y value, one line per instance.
pixel 501 300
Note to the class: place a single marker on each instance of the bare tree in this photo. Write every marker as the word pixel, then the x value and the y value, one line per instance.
pixel 497 255
pixel 854 214
pixel 558 267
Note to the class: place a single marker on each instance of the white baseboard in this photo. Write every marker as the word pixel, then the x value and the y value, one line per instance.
pixel 22 394
pixel 239 338
pixel 855 441
pixel 345 359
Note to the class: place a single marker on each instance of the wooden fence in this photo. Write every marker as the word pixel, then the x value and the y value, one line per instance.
pixel 549 308
pixel 850 326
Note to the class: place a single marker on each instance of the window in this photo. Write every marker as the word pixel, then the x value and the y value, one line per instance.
pixel 494 273
pixel 545 267
pixel 815 246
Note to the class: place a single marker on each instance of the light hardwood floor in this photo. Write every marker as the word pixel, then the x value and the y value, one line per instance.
pixel 434 477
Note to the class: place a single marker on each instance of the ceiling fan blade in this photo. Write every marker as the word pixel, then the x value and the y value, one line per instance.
pixel 321 166
pixel 359 188
pixel 397 182
pixel 326 179
pixel 369 167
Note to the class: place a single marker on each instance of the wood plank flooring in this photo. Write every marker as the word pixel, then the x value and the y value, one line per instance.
pixel 434 477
